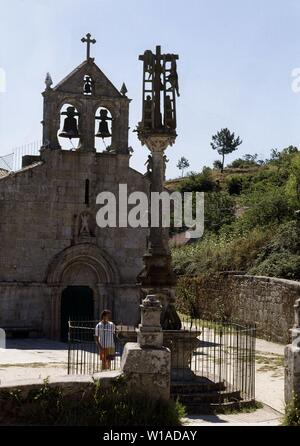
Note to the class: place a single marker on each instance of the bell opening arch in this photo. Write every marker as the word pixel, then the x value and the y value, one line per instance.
pixel 103 129
pixel 69 134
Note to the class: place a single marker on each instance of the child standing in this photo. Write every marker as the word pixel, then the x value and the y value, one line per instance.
pixel 104 337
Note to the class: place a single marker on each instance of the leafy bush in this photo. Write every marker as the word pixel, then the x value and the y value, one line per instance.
pixel 100 406
pixel 286 237
pixel 227 251
pixel 270 251
pixel 241 163
pixel 293 183
pixel 201 182
pixel 292 413
pixel 235 185
pixel 281 256
pixel 219 210
pixel 282 159
pixel 265 208
pixel 249 227
pixel 279 265
pixel 217 165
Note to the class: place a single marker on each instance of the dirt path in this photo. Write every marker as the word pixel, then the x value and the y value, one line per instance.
pixel 270 374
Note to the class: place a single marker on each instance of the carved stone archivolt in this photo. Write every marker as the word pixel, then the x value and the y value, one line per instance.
pixel 90 255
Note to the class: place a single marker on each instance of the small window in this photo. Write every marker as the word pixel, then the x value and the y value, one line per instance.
pixel 88 85
pixel 87 192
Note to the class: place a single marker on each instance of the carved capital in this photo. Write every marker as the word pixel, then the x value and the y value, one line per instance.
pixel 157 142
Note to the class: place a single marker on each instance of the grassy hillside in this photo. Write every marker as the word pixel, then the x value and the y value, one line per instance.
pixel 251 224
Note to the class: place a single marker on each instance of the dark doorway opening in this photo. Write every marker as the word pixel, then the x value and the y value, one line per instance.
pixel 77 304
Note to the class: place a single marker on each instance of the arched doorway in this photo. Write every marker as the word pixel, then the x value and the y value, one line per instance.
pixel 77 303
pixel 80 267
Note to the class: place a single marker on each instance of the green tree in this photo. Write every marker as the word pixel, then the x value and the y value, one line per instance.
pixel 183 164
pixel 225 142
pixel 284 158
pixel 293 183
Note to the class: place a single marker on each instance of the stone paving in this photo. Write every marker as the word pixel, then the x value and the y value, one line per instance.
pixel 40 358
pixel 32 358
pixel 261 417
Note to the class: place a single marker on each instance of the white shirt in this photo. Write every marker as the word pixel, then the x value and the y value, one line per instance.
pixel 105 333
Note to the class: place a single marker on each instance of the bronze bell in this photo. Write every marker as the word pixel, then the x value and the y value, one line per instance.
pixel 70 129
pixel 103 131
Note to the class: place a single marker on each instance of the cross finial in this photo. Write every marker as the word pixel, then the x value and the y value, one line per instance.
pixel 88 42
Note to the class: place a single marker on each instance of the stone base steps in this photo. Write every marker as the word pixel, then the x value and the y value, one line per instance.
pixel 203 396
pixel 198 386
pixel 209 398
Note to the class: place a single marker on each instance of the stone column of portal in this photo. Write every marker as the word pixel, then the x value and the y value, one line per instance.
pixel 292 361
pixel 146 364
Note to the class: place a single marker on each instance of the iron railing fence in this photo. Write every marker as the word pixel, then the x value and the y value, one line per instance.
pixel 83 354
pixel 222 352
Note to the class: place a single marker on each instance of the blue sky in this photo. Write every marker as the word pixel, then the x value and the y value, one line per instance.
pixel 236 59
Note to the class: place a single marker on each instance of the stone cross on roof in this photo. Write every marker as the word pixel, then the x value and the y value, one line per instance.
pixel 88 42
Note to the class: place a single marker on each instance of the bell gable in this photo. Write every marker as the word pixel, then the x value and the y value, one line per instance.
pixel 74 83
pixel 86 96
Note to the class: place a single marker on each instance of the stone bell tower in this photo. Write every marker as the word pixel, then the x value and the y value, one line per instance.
pixel 83 92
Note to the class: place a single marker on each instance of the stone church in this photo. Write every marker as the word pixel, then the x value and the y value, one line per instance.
pixel 55 261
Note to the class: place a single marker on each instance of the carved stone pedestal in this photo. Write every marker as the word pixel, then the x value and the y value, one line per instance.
pixel 147 370
pixel 149 333
pixel 182 344
pixel 146 364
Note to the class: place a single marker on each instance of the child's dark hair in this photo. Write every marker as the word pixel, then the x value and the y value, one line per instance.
pixel 105 313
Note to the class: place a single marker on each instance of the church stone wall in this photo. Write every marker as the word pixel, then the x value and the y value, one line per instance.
pixel 40 209
pixel 25 306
